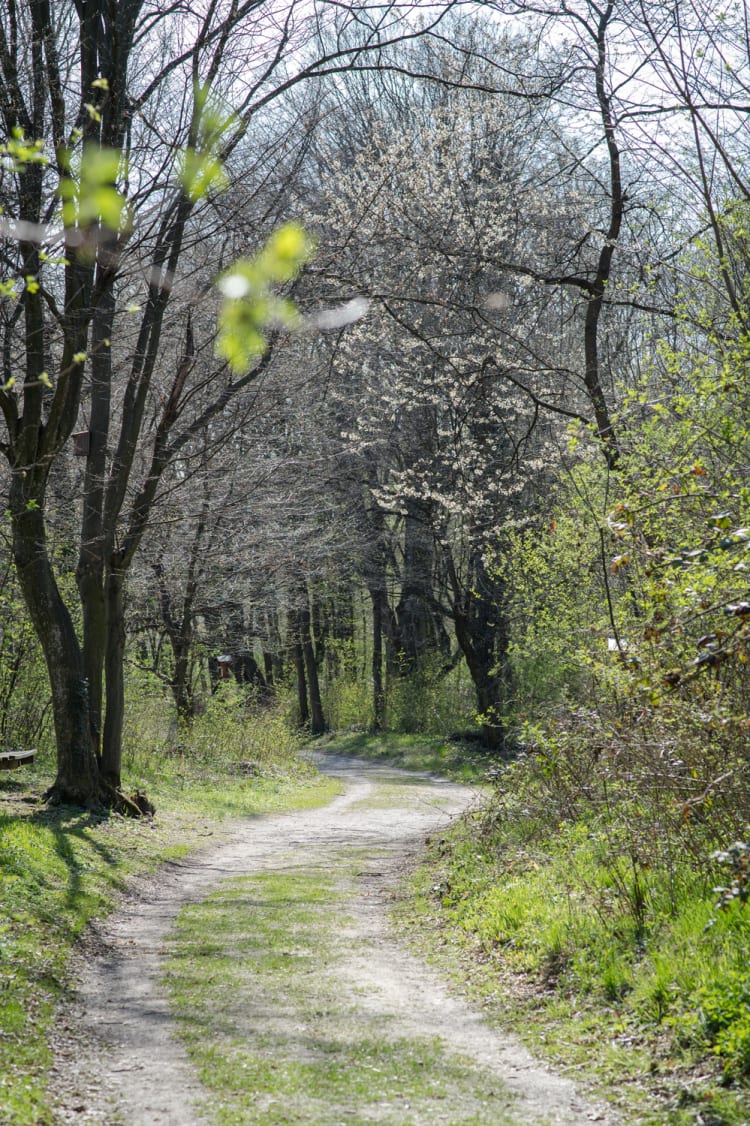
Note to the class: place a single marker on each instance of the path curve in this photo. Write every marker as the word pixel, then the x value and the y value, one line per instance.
pixel 118 1059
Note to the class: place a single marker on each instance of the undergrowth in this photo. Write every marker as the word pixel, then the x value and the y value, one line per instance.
pixel 615 933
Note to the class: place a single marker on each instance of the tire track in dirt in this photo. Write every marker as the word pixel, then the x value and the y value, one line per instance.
pixel 119 1059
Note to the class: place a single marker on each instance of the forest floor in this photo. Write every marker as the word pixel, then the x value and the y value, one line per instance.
pixel 130 1051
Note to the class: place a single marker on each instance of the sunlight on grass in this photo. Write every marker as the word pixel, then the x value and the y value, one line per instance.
pixel 61 867
pixel 594 970
pixel 278 1036
pixel 433 754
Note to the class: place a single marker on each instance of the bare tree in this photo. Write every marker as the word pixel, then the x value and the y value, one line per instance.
pixel 106 106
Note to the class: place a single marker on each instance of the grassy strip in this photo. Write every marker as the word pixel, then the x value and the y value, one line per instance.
pixel 597 965
pixel 62 866
pixel 458 760
pixel 275 1034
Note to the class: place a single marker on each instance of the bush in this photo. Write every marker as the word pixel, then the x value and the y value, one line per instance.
pixel 429 701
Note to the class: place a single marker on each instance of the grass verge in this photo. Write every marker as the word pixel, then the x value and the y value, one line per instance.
pixel 590 961
pixel 460 761
pixel 62 866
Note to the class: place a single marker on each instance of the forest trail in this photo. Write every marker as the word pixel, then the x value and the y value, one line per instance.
pixel 120 1060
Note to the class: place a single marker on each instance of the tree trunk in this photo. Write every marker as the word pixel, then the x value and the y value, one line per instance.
pixel 317 718
pixel 77 777
pixel 378 689
pixel 94 618
pixel 180 683
pixel 93 544
pixel 488 686
pixel 483 636
pixel 416 626
pixel 114 672
pixel 597 397
pixel 298 660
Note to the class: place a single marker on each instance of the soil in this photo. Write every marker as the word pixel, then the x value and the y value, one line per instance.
pixel 119 1059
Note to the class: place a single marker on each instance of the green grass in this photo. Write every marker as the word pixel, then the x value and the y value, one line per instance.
pixel 275 1035
pixel 460 761
pixel 62 866
pixel 598 965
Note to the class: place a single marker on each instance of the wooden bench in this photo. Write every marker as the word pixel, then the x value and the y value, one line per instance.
pixel 9 760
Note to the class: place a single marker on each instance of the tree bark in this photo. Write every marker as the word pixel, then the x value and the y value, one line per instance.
pixel 114 673
pixel 77 778
pixel 298 660
pixel 93 551
pixel 417 633
pixel 483 636
pixel 378 688
pixel 304 622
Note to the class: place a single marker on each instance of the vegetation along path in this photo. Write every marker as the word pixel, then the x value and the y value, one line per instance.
pixel 259 982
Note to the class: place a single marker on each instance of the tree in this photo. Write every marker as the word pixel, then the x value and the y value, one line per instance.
pixel 115 122
pixel 437 436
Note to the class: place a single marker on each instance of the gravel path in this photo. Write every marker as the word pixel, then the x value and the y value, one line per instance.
pixel 119 1059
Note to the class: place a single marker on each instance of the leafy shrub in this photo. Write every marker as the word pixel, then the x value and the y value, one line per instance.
pixel 724 1019
pixel 348 703
pixel 430 701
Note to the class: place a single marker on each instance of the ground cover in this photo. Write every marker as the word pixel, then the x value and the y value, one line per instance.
pixel 456 758
pixel 594 964
pixel 62 867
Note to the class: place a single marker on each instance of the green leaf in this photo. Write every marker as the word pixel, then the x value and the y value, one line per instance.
pixel 285 252
pixel 200 169
pixel 89 196
pixel 17 152
pixel 200 174
pixel 249 307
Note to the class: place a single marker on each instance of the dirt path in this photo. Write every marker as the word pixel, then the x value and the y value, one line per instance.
pixel 120 1061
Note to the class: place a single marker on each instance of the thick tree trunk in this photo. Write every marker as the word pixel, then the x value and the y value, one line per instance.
pixel 317 718
pixel 417 635
pixel 483 636
pixel 488 684
pixel 77 777
pixel 94 618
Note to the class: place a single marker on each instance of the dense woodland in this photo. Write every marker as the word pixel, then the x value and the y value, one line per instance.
pixel 497 467
pixel 473 459
pixel 383 367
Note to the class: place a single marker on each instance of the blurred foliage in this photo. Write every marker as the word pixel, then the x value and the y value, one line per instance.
pixel 249 306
